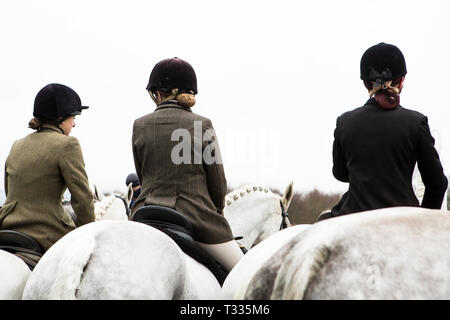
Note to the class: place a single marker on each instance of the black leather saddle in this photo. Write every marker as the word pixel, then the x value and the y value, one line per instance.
pixel 15 241
pixel 178 227
pixel 165 218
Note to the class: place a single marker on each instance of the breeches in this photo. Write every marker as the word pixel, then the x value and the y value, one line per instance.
pixel 226 253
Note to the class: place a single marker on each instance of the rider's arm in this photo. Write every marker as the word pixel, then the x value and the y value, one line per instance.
pixel 6 181
pixel 71 164
pixel 215 175
pixel 137 162
pixel 430 168
pixel 340 171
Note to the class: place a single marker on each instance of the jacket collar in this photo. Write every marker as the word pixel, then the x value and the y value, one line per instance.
pixel 171 104
pixel 51 127
pixel 371 101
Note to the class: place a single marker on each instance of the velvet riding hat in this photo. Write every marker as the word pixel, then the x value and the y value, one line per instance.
pixel 173 73
pixel 383 59
pixel 57 100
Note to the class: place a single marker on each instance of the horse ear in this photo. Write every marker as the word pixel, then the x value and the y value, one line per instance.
pixel 97 195
pixel 288 194
pixel 130 192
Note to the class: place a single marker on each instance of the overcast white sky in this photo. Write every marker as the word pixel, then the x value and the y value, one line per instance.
pixel 272 75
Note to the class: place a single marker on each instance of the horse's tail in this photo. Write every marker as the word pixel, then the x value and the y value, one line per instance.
pixel 70 269
pixel 295 277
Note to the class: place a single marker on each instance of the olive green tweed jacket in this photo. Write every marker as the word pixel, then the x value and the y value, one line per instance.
pixel 38 170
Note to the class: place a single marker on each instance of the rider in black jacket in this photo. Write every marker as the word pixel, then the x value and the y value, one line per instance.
pixel 377 145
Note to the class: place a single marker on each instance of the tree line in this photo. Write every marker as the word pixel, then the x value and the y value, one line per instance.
pixel 306 207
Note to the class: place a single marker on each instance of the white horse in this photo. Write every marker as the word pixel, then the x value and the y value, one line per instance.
pixel 130 260
pixel 111 207
pixel 391 253
pixel 14 272
pixel 244 215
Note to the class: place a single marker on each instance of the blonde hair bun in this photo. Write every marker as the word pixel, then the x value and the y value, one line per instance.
pixel 34 124
pixel 186 99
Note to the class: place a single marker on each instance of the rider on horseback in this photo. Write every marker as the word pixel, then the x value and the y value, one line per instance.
pixel 195 189
pixel 377 145
pixel 41 166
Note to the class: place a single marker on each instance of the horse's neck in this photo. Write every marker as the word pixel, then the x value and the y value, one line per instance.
pixel 110 209
pixel 248 216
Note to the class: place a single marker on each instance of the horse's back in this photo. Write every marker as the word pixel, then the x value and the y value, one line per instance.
pixel 14 274
pixel 109 260
pixel 400 253
pixel 394 253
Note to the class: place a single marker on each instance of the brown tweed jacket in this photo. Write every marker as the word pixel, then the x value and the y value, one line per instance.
pixel 193 187
pixel 38 170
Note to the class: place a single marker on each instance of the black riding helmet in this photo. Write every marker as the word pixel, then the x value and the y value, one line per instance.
pixel 57 101
pixel 132 178
pixel 382 61
pixel 173 73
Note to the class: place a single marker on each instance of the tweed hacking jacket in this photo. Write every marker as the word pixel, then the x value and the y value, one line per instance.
pixel 38 170
pixel 193 187
pixel 376 150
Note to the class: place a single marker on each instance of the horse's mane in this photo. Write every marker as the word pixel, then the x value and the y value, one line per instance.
pixel 243 191
pixel 103 205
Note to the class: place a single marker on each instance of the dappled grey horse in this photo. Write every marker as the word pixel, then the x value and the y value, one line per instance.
pixel 392 253
pixel 119 259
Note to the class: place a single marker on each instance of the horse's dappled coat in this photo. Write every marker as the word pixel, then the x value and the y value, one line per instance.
pixel 392 253
pixel 130 260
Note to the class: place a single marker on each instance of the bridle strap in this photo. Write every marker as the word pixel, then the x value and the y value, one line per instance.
pixel 284 216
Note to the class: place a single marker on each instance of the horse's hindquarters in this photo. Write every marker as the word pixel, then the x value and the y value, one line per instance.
pixel 112 260
pixel 397 264
pixel 14 274
pixel 394 253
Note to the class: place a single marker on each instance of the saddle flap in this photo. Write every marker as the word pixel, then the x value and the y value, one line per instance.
pixel 19 241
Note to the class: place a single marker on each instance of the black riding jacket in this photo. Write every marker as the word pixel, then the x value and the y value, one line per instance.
pixel 376 150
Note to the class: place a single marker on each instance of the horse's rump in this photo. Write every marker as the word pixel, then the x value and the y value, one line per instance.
pixel 179 229
pixel 193 250
pixel 392 253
